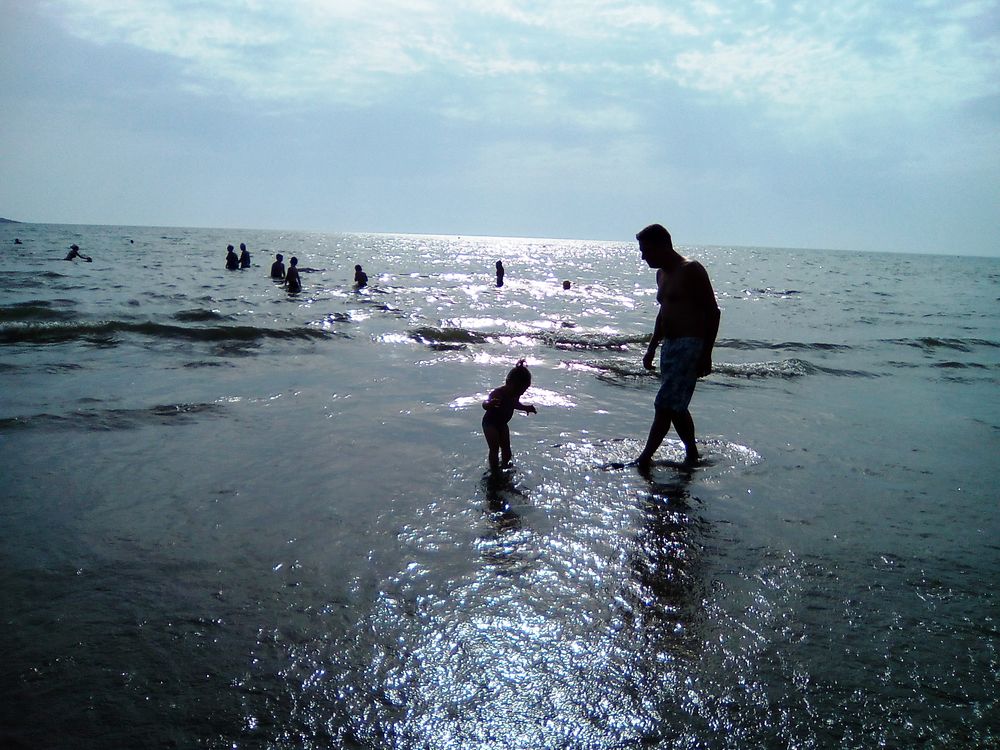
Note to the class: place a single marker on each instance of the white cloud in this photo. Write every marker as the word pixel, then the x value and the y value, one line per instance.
pixel 838 63
pixel 820 62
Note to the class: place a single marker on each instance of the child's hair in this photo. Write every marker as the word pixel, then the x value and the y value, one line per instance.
pixel 520 375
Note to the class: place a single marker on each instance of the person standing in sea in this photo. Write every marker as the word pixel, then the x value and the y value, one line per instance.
pixel 232 259
pixel 687 324
pixel 278 267
pixel 360 277
pixel 500 273
pixel 292 281
pixel 244 256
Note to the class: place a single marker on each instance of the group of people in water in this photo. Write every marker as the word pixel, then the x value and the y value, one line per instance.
pixel 290 277
pixel 686 324
pixel 235 262
pixel 501 272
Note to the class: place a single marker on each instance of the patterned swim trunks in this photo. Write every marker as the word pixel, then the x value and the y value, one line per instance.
pixel 678 372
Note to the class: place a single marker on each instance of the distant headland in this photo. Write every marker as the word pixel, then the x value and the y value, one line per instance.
pixel 8 221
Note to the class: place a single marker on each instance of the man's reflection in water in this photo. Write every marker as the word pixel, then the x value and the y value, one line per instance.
pixel 665 591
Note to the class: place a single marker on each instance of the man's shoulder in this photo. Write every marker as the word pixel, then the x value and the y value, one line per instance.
pixel 693 268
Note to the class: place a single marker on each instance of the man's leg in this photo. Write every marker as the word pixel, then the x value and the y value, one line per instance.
pixel 684 425
pixel 657 431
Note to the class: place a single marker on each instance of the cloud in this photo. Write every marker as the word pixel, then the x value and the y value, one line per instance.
pixel 851 61
pixel 806 62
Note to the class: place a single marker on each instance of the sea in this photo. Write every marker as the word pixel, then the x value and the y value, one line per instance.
pixel 235 517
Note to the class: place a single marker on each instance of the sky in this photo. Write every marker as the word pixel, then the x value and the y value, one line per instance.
pixel 840 124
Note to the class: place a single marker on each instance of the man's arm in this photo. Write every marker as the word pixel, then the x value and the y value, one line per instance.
pixel 654 341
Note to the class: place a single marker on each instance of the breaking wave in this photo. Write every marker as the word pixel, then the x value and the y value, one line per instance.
pixel 101 420
pixel 109 332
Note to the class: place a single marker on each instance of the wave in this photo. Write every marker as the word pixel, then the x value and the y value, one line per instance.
pixel 789 346
pixel 932 343
pixel 52 368
pixel 785 369
pixel 583 341
pixel 612 369
pixel 769 292
pixel 102 420
pixel 107 332
pixel 381 306
pixel 459 337
pixel 34 310
pixel 952 365
pixel 447 338
pixel 200 316
pixel 565 340
pixel 620 371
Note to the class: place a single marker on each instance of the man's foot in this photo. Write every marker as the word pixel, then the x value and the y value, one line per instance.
pixel 691 456
pixel 644 465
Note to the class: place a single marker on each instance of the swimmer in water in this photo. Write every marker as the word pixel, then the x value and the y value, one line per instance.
pixel 74 252
pixel 292 280
pixel 278 267
pixel 360 278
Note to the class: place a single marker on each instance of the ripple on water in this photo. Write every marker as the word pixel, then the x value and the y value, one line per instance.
pixel 557 604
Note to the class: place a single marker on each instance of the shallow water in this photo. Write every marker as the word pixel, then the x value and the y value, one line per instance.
pixel 231 516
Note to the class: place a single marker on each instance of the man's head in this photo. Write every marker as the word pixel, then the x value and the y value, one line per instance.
pixel 655 245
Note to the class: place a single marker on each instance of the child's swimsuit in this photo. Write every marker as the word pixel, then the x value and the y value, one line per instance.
pixel 499 415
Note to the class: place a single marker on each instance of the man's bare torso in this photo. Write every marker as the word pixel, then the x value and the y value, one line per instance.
pixel 685 296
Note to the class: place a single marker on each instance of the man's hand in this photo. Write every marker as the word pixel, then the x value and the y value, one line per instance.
pixel 705 366
pixel 649 357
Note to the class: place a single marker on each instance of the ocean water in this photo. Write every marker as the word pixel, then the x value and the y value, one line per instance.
pixel 234 517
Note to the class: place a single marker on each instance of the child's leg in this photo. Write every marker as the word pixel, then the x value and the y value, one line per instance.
pixel 505 445
pixel 492 436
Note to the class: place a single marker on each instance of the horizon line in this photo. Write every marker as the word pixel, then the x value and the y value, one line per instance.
pixel 693 245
